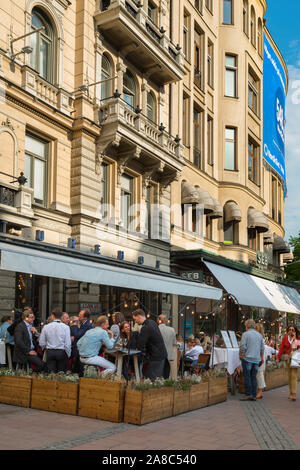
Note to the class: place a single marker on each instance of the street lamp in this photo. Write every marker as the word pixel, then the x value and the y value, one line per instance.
pixel 25 49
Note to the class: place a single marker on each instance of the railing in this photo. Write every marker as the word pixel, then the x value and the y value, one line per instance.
pixel 131 10
pixel 157 36
pixel 117 109
pixel 46 91
pixel 7 196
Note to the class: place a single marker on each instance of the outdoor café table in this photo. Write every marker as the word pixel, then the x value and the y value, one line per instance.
pixel 225 358
pixel 2 353
pixel 270 351
pixel 119 354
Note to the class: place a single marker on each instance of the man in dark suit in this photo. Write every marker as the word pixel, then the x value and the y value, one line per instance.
pixel 25 337
pixel 77 332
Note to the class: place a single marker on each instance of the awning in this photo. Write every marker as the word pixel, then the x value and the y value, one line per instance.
pixel 255 291
pixel 268 238
pixel 218 210
pixel 205 199
pixel 75 267
pixel 189 194
pixel 280 244
pixel 257 220
pixel 232 212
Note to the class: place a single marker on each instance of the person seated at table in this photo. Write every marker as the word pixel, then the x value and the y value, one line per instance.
pixel 117 319
pixel 90 344
pixel 179 341
pixel 129 340
pixel 220 343
pixel 194 349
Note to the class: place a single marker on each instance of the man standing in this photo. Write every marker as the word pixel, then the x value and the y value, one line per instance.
pixel 90 344
pixel 55 337
pixel 169 337
pixel 252 355
pixel 25 337
pixel 77 332
pixel 151 339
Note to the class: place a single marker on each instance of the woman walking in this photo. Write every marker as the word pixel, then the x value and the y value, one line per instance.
pixel 288 346
pixel 260 376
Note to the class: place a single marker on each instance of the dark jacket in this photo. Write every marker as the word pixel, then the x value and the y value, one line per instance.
pixel 22 343
pixel 79 332
pixel 151 339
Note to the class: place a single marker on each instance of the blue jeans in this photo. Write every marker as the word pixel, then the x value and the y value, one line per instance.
pixel 249 372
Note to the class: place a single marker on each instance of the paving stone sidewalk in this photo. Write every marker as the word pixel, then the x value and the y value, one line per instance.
pixel 268 424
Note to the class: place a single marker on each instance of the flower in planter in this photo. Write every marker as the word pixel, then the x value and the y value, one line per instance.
pixel 58 377
pixel 90 372
pixel 215 372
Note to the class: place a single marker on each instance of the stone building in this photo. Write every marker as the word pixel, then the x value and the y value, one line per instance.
pixel 123 116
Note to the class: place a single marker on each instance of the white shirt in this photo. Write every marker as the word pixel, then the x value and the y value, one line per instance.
pixel 56 335
pixel 194 352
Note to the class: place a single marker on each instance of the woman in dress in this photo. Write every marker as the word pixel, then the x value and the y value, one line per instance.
pixel 117 319
pixel 260 377
pixel 288 346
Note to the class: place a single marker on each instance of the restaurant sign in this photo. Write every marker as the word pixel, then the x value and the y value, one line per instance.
pixel 262 259
pixel 192 275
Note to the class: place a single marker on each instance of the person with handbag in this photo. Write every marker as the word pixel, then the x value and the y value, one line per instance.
pixel 288 346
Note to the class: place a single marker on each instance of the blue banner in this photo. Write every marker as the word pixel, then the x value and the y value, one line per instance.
pixel 274 93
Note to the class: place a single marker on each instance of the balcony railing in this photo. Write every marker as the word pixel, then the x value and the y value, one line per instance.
pixel 116 109
pixel 7 196
pixel 46 91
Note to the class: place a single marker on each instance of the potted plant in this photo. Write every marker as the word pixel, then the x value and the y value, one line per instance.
pixel 15 387
pixel 101 397
pixel 182 388
pixel 198 392
pixel 148 401
pixel 55 392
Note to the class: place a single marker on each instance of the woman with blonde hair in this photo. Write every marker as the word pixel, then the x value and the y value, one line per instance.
pixel 260 377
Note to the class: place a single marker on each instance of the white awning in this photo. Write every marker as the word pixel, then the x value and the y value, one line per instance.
pixel 256 291
pixel 49 264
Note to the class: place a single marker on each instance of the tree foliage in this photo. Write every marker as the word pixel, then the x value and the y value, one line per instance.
pixel 293 270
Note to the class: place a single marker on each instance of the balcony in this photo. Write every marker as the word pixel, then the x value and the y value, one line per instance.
pixel 45 91
pixel 15 205
pixel 125 129
pixel 127 27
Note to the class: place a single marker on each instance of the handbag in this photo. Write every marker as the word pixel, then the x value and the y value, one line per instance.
pixel 295 359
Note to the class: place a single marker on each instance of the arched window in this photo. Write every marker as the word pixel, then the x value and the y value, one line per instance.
pixel 231 219
pixel 151 111
pixel 260 37
pixel 253 27
pixel 106 72
pixel 246 17
pixel 129 90
pixel 42 57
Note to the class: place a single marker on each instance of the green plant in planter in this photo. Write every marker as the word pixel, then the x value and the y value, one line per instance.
pixel 90 372
pixel 215 372
pixel 15 373
pixel 58 377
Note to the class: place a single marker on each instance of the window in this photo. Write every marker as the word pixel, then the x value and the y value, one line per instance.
pixel 253 239
pixel 274 199
pixel 151 11
pixel 260 38
pixel 106 87
pixel 42 57
pixel 231 76
pixel 151 112
pixel 230 148
pixel 36 158
pixel 199 5
pixel 186 35
pixel 231 231
pixel 148 203
pixel 246 17
pixel 253 92
pixel 210 64
pixel 253 162
pixel 210 140
pixel 208 4
pixel 198 59
pixel 253 27
pixel 126 199
pixel 197 123
pixel 208 227
pixel 129 90
pixel 104 189
pixel 227 11
pixel 186 120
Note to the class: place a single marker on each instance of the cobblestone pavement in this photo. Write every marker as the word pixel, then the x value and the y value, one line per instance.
pixel 268 424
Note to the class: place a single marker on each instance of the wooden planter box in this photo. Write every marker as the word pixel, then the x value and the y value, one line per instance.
pixel 217 390
pixel 181 401
pixel 276 378
pixel 101 399
pixel 198 396
pixel 51 395
pixel 146 406
pixel 15 390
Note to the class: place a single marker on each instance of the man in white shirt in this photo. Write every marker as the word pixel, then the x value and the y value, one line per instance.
pixel 193 352
pixel 55 337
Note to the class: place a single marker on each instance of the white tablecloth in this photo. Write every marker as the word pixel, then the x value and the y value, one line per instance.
pixel 225 358
pixel 2 353
pixel 269 351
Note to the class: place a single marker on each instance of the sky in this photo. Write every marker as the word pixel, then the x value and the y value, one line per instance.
pixel 283 22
